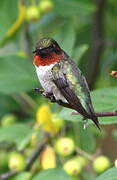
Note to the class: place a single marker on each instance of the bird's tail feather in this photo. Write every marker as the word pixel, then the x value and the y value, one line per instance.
pixel 93 117
pixel 95 120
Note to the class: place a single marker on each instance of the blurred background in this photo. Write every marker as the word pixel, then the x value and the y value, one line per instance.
pixel 39 139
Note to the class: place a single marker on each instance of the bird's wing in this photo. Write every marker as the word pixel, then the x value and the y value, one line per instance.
pixel 60 80
pixel 82 88
pixel 73 86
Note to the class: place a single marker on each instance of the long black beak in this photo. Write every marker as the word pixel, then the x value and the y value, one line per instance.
pixel 42 52
pixel 35 51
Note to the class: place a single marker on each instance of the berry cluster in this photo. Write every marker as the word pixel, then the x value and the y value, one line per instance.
pixel 34 12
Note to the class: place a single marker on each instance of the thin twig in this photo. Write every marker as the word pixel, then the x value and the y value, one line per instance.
pixel 101 114
pixel 35 154
pixel 98 114
pixel 30 160
pixel 85 154
pixel 7 175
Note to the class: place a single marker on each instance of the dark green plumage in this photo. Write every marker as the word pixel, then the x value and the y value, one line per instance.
pixel 66 82
pixel 68 70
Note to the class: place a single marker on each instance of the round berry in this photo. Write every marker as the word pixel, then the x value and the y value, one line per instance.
pixel 8 119
pixel 16 162
pixel 65 146
pixel 45 5
pixel 101 163
pixel 82 161
pixel 115 162
pixel 72 167
pixel 32 13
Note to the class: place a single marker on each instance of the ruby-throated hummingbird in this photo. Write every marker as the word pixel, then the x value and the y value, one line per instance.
pixel 62 79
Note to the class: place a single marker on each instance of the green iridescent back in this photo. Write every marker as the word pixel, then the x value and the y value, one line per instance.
pixel 66 68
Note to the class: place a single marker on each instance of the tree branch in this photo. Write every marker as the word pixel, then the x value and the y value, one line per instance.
pixel 96 43
pixel 35 154
pixel 101 114
pixel 7 175
pixel 50 97
pixel 30 160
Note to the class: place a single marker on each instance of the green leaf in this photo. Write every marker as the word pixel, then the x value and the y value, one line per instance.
pixel 16 75
pixel 22 176
pixel 85 137
pixel 7 104
pixel 79 52
pixel 110 174
pixel 7 20
pixel 66 38
pixel 104 100
pixel 17 133
pixel 52 174
pixel 85 142
pixel 73 8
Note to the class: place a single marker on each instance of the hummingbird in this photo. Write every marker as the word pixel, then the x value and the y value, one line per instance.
pixel 62 80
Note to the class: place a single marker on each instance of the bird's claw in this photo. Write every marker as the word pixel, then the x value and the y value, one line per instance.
pixel 39 90
pixel 48 95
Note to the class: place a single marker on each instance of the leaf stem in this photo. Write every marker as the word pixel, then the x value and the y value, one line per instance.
pixel 87 155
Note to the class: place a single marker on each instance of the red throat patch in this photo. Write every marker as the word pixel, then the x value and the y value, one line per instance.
pixel 39 61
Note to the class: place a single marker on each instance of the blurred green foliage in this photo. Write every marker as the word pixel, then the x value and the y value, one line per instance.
pixel 71 23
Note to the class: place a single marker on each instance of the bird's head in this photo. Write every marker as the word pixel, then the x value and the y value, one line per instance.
pixel 47 52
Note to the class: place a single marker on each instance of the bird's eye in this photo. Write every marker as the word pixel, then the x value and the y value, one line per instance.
pixel 52 46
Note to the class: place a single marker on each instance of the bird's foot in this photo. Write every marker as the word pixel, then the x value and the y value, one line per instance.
pixel 39 90
pixel 47 95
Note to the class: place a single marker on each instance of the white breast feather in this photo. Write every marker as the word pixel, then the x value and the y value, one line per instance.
pixel 45 77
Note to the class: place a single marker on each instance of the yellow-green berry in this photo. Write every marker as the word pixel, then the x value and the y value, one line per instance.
pixel 45 5
pixel 115 162
pixel 101 163
pixel 65 146
pixel 72 167
pixel 32 13
pixel 82 161
pixel 16 162
pixel 8 119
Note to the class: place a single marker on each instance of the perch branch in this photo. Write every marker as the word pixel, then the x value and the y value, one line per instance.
pixel 101 114
pixel 52 99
